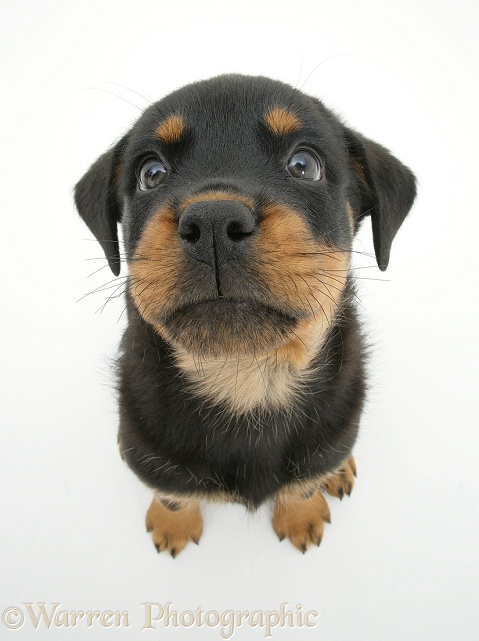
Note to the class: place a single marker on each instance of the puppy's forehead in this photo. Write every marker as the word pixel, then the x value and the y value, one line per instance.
pixel 233 105
pixel 278 119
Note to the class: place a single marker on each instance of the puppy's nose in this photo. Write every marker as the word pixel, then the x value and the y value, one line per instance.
pixel 215 231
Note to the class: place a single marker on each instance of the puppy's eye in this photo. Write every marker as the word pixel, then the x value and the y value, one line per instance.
pixel 152 172
pixel 305 165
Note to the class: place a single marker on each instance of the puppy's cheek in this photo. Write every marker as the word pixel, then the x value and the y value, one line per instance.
pixel 303 275
pixel 156 266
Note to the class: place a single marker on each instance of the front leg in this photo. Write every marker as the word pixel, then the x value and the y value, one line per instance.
pixel 301 510
pixel 173 523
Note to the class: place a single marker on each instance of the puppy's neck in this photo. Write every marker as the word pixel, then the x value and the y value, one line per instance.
pixel 269 381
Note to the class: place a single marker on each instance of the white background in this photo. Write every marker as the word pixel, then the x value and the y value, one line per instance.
pixel 400 560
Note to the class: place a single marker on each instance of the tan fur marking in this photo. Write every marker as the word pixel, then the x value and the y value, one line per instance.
pixel 301 275
pixel 341 482
pixel 171 130
pixel 300 509
pixel 268 381
pixel 301 520
pixel 172 530
pixel 303 345
pixel 351 218
pixel 297 273
pixel 216 195
pixel 281 121
pixel 309 275
pixel 156 265
pixel 242 383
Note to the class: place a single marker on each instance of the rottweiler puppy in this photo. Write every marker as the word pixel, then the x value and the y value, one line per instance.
pixel 241 375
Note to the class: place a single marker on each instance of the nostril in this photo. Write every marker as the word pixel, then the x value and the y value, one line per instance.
pixel 237 231
pixel 215 226
pixel 190 232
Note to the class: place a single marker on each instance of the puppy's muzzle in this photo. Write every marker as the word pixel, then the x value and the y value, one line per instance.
pixel 216 231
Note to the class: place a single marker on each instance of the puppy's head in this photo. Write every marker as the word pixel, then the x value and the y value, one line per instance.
pixel 239 199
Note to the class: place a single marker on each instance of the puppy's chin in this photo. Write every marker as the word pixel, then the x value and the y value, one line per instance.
pixel 222 327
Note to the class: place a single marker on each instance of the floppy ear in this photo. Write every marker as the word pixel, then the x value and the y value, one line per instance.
pixel 387 191
pixel 98 202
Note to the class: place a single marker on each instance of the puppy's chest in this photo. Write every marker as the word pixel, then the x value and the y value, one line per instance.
pixel 244 384
pixel 265 382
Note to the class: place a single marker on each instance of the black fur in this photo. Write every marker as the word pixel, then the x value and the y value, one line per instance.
pixel 173 439
pixel 197 448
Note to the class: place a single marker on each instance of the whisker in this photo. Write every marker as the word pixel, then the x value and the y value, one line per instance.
pixel 104 287
pixel 335 55
pixel 98 270
pixel 120 316
pixel 112 93
pixel 145 96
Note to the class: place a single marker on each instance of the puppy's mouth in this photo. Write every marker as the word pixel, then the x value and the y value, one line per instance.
pixel 225 326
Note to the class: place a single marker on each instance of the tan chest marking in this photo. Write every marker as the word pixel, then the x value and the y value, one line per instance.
pixel 268 381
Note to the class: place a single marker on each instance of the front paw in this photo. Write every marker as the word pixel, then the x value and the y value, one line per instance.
pixel 172 529
pixel 301 511
pixel 301 519
pixel 342 481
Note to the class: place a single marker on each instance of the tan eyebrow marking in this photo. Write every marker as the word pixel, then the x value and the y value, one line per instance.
pixel 281 121
pixel 172 129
